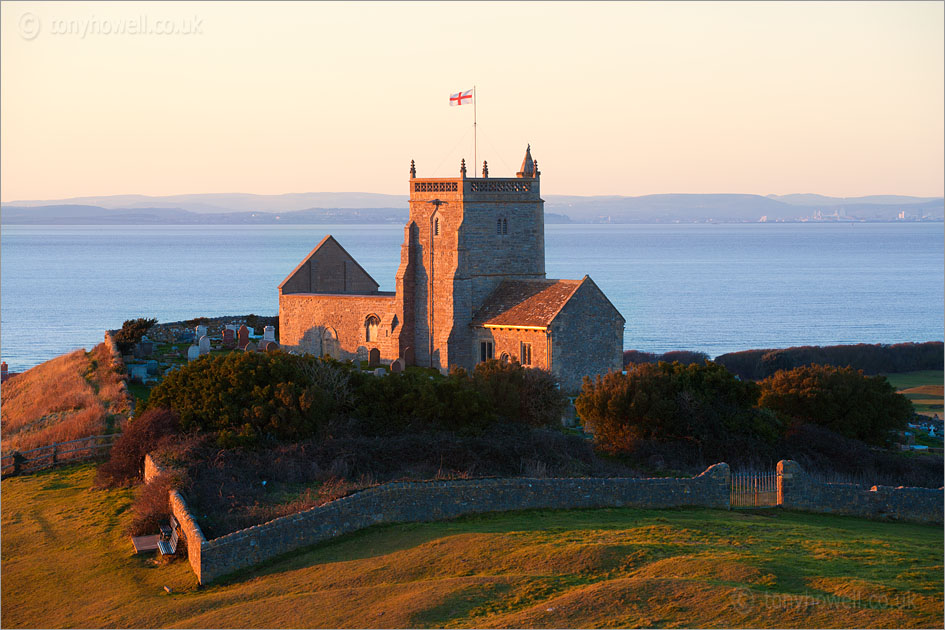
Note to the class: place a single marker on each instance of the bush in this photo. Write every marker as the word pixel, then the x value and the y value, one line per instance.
pixel 703 404
pixel 151 505
pixel 843 400
pixel 527 395
pixel 139 436
pixel 244 397
pixel 132 330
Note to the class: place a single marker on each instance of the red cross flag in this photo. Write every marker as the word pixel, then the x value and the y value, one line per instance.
pixel 461 98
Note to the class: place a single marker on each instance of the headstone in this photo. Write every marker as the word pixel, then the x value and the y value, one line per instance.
pixel 143 349
pixel 200 331
pixel 204 345
pixel 397 366
pixel 374 357
pixel 269 333
pixel 243 334
pixel 193 352
pixel 249 347
pixel 362 353
pixel 229 339
pixel 380 372
pixel 232 327
pixel 251 331
pixel 138 371
pixel 153 368
pixel 268 346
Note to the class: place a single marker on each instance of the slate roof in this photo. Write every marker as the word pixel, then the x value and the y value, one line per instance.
pixel 533 303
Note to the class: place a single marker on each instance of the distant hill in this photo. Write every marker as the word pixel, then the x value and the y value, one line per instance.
pixel 809 199
pixel 341 207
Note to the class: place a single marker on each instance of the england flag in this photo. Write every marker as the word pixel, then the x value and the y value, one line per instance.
pixel 461 98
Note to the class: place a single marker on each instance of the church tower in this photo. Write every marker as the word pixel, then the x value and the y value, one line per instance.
pixel 465 235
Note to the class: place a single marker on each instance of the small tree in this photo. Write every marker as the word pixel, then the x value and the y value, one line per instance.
pixel 139 436
pixel 844 400
pixel 131 333
pixel 704 404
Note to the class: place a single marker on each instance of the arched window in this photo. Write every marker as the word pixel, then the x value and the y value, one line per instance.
pixel 498 226
pixel 370 327
pixel 505 226
pixel 436 226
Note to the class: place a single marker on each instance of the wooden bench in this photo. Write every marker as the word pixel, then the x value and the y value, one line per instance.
pixel 145 543
pixel 166 541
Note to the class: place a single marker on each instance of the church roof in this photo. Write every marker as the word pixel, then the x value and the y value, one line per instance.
pixel 526 303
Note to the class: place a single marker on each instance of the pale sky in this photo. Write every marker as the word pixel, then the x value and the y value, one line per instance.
pixel 842 99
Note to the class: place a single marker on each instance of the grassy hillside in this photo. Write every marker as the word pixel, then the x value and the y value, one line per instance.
pixel 66 398
pixel 925 389
pixel 63 542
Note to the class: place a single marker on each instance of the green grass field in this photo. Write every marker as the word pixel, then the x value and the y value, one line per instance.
pixel 67 562
pixel 924 389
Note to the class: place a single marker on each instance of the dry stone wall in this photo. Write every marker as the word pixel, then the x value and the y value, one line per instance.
pixel 435 500
pixel 797 491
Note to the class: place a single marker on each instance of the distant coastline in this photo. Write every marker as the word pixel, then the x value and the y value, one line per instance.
pixel 365 208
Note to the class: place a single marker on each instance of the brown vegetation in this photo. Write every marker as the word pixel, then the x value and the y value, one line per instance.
pixel 70 397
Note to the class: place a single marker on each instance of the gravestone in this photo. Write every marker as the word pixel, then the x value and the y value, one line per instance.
pixel 232 327
pixel 380 372
pixel 229 339
pixel 143 348
pixel 269 333
pixel 138 371
pixel 192 353
pixel 243 337
pixel 397 366
pixel 268 346
pixel 374 357
pixel 251 331
pixel 249 347
pixel 200 331
pixel 153 367
pixel 362 353
pixel 409 357
pixel 204 345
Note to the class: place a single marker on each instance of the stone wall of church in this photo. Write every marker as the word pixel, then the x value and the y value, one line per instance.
pixel 509 341
pixel 587 338
pixel 304 318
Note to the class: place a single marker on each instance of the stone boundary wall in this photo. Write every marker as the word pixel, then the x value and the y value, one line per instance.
pixel 797 491
pixel 190 530
pixel 405 502
pixel 119 363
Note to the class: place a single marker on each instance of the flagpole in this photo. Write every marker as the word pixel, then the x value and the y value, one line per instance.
pixel 475 140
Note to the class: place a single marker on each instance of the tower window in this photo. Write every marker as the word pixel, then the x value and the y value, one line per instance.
pixel 502 226
pixel 485 350
pixel 526 353
pixel 505 226
pixel 370 328
pixel 498 226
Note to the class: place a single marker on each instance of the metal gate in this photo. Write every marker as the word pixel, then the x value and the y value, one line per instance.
pixel 754 490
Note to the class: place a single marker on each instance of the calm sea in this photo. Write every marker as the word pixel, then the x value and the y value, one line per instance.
pixel 714 288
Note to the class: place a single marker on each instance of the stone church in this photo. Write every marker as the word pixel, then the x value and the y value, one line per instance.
pixel 471 286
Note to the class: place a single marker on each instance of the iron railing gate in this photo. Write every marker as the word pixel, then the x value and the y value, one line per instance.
pixel 754 490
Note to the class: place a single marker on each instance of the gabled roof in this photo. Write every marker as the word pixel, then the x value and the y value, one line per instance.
pixel 526 303
pixel 328 239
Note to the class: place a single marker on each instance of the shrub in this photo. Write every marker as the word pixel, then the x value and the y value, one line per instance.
pixel 703 404
pixel 527 395
pixel 151 505
pixel 132 330
pixel 245 397
pixel 843 400
pixel 140 436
